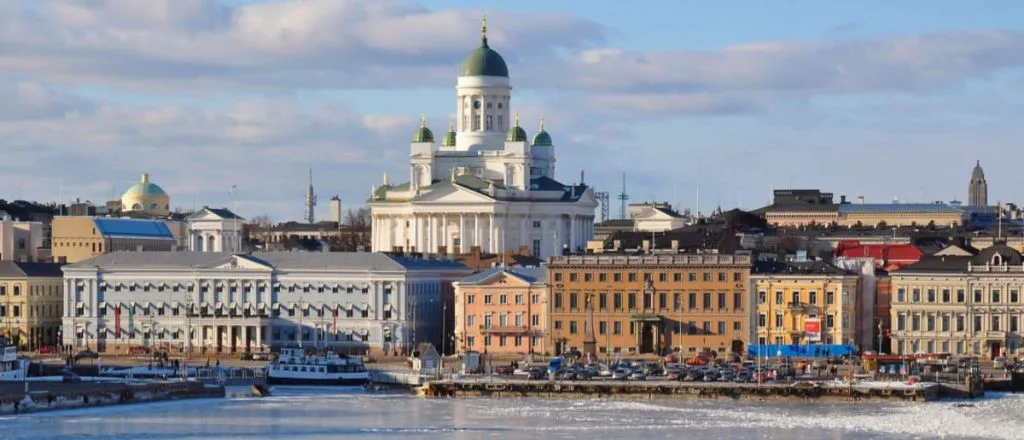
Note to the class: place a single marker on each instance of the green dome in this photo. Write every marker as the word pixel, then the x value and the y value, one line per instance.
pixel 484 61
pixel 423 134
pixel 516 133
pixel 542 138
pixel 449 138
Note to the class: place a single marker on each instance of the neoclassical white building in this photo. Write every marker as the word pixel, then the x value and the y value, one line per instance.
pixel 215 230
pixel 232 302
pixel 486 184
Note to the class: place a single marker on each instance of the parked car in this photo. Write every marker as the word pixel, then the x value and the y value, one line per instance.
pixel 504 369
pixel 638 375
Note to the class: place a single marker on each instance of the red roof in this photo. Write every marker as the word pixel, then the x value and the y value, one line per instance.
pixel 887 256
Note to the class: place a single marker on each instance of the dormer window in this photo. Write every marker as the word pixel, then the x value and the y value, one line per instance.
pixel 997 260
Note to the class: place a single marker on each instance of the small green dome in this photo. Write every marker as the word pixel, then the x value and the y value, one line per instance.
pixel 484 61
pixel 423 134
pixel 516 133
pixel 449 138
pixel 542 138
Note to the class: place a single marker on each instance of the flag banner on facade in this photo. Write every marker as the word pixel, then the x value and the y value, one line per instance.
pixel 117 321
pixel 131 321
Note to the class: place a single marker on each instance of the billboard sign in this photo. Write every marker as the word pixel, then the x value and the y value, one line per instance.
pixel 812 330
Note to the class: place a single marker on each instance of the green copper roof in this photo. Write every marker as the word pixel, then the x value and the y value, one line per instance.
pixel 449 138
pixel 542 138
pixel 423 134
pixel 483 61
pixel 516 133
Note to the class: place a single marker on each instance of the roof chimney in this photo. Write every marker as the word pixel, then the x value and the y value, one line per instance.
pixel 860 200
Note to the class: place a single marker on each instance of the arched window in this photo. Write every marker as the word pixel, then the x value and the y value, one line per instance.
pixel 136 206
pixel 210 242
pixel 490 122
pixel 997 260
pixel 154 206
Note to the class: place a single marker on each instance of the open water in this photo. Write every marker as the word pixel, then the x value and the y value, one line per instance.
pixel 309 413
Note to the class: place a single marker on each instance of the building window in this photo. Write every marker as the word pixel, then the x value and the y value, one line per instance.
pixel 558 300
pixel 762 320
pixel 618 301
pixel 813 297
pixel 901 322
pixel 762 297
pixel 692 276
pixel 632 301
pixel 901 295
pixel 487 299
pixel 931 295
pixel 707 300
pixel 1014 296
pixel 945 295
pixel 977 296
pixel 977 323
pixel 995 324
pixel 995 296
pixel 778 320
pixel 602 327
pixel 721 325
pixel 572 327
pixel 707 276
pixel 558 276
pixel 502 299
pixel 617 328
pixel 916 295
pixel 830 298
pixel 721 277
pixel 960 295
pixel 915 323
pixel 693 301
pixel 779 297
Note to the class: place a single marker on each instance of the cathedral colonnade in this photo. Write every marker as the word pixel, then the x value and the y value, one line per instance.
pixel 491 232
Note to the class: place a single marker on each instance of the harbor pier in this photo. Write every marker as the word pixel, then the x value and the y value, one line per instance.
pixel 812 391
pixel 46 396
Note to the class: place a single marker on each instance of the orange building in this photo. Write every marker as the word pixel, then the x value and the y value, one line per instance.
pixel 651 304
pixel 501 310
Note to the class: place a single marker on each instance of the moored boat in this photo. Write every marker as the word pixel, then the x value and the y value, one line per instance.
pixel 294 366
pixel 12 368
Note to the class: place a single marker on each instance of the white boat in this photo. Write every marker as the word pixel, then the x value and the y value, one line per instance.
pixel 12 368
pixel 295 367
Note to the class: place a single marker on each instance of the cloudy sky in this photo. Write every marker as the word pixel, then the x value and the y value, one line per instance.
pixel 875 98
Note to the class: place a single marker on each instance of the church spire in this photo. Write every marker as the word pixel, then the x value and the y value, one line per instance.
pixel 483 30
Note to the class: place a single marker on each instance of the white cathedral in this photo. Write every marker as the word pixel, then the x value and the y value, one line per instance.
pixel 486 185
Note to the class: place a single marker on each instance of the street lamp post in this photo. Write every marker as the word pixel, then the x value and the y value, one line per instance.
pixel 444 327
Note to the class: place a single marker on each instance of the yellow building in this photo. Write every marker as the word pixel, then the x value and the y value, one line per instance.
pixel 80 238
pixel 790 295
pixel 31 298
pixel 147 198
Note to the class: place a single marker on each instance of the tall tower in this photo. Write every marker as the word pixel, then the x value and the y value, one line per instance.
pixel 310 200
pixel 336 216
pixel 977 190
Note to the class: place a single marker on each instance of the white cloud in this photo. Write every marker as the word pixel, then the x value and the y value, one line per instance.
pixel 591 93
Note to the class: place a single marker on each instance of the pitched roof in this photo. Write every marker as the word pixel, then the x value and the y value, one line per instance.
pixel 278 260
pixel 936 264
pixel 531 275
pixel 132 228
pixel 223 213
pixel 898 207
pixel 15 269
pixel 798 268
pixel 885 252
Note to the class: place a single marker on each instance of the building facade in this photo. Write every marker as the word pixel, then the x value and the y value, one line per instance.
pixel 502 311
pixel 80 238
pixel 486 185
pixel 792 295
pixel 30 303
pixel 215 302
pixel 215 230
pixel 650 304
pixel 960 305
pixel 22 241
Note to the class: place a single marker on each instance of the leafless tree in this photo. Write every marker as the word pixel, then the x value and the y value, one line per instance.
pixel 356 229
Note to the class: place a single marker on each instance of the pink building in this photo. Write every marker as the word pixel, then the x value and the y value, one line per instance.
pixel 501 311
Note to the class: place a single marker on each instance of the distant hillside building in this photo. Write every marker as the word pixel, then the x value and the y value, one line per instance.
pixel 22 241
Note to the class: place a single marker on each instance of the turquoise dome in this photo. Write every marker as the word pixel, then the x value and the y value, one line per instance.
pixel 423 134
pixel 516 133
pixel 542 138
pixel 147 189
pixel 449 138
pixel 484 61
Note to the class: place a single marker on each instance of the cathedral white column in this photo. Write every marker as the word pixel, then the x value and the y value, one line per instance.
pixel 523 236
pixel 573 224
pixel 463 236
pixel 416 233
pixel 431 240
pixel 476 230
pixel 445 236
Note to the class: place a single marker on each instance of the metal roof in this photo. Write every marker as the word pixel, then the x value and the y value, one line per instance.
pixel 532 275
pixel 135 228
pixel 15 269
pixel 277 260
pixel 898 207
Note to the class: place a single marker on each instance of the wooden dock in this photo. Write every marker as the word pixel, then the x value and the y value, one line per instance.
pixel 813 391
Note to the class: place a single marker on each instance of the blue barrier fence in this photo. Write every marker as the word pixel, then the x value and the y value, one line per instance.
pixel 800 351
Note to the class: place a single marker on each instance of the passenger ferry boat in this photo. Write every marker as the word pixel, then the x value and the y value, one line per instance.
pixel 295 367
pixel 12 368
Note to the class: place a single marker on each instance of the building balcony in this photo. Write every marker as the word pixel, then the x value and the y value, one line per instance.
pixel 506 329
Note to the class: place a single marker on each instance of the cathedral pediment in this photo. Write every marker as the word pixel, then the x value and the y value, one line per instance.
pixel 243 262
pixel 449 193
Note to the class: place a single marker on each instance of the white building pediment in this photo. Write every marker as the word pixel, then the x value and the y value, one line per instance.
pixel 452 194
pixel 239 262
